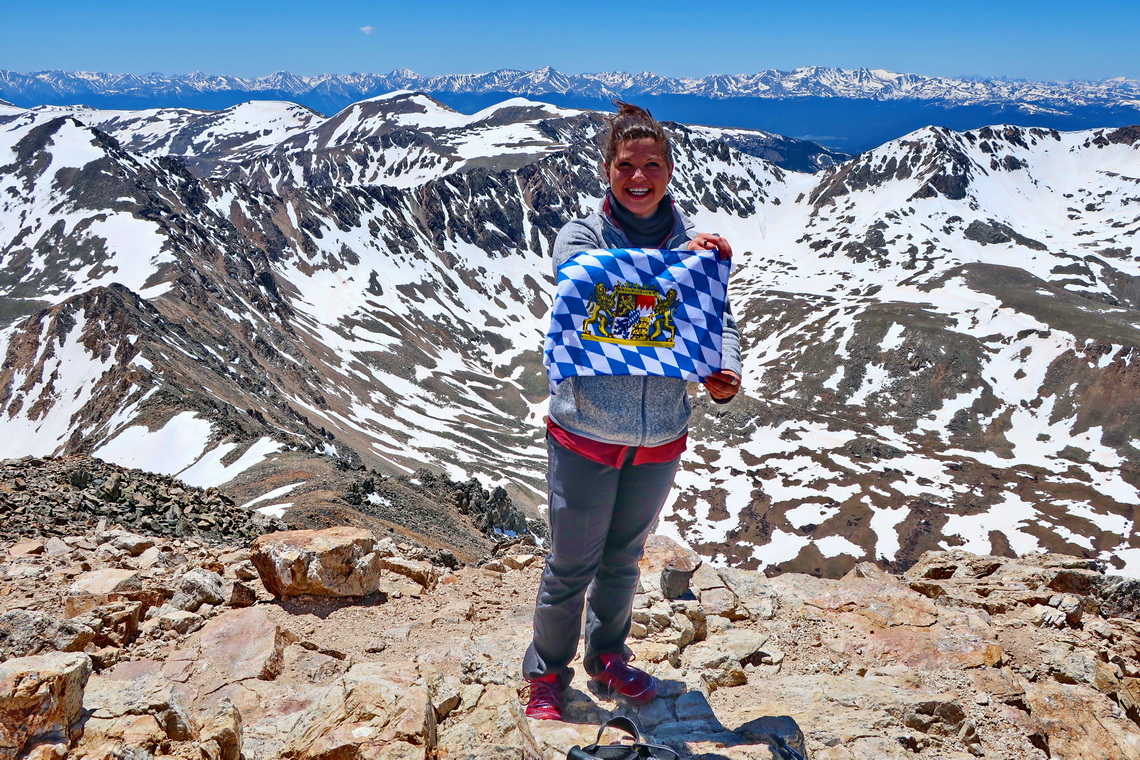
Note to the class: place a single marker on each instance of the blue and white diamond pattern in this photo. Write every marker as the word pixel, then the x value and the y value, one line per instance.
pixel 701 281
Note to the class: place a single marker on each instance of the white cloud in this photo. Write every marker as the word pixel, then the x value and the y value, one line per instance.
pixel 367 29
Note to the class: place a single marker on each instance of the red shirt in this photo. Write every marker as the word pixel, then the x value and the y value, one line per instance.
pixel 613 454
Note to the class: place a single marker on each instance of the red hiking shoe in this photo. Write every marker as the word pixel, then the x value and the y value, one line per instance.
pixel 621 678
pixel 544 697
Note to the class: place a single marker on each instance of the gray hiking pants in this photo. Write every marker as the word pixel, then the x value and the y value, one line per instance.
pixel 599 517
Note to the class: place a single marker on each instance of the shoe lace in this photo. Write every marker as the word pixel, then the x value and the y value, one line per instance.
pixel 540 692
pixel 618 662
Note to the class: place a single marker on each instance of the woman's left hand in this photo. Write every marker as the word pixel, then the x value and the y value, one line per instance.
pixel 706 241
pixel 723 384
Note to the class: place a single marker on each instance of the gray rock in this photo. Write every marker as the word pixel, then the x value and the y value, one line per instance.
pixel 25 632
pixel 126 541
pixel 198 587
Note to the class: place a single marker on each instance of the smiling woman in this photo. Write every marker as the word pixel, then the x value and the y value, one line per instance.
pixel 614 441
pixel 638 175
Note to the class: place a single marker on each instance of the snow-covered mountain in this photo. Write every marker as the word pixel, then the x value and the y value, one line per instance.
pixel 940 334
pixel 851 110
pixel 815 81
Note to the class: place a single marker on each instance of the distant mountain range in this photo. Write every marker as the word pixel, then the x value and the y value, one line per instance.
pixel 850 110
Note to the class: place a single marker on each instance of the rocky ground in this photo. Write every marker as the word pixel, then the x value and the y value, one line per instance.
pixel 338 645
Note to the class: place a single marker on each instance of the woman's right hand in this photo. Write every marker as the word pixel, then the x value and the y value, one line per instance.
pixel 707 241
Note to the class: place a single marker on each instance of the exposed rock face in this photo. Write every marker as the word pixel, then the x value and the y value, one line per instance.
pixel 41 702
pixel 955 659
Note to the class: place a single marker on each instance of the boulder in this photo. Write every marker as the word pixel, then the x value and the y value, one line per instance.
pixel 424 573
pixel 126 541
pixel 26 632
pixel 41 700
pixel 338 561
pixel 198 587
pixel 105 581
pixel 670 562
pixel 221 734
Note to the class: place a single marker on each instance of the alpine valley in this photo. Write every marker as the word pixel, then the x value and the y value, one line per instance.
pixel 328 317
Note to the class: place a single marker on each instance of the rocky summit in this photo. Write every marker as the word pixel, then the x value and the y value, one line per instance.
pixel 333 644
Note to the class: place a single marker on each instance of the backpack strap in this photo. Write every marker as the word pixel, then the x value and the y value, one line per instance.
pixel 620 722
pixel 639 750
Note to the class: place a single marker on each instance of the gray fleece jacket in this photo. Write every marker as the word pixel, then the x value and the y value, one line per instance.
pixel 628 410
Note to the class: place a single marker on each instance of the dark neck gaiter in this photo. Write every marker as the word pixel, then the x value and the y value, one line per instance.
pixel 644 233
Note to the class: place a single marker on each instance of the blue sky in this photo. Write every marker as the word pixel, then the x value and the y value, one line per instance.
pixel 1029 40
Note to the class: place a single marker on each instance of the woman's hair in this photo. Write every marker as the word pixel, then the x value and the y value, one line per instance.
pixel 633 123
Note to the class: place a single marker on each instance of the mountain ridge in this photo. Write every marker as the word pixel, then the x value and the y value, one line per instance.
pixel 771 83
pixel 847 109
pixel 938 333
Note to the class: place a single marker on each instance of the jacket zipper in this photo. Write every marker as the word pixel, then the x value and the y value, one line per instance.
pixel 609 217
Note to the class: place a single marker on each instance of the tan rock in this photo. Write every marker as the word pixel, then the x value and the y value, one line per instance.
pixel 221 734
pixel 519 561
pixel 706 577
pixel 56 547
pixel 105 581
pixel 125 541
pixel 655 651
pixel 236 645
pixel 112 738
pixel 116 622
pixel 48 752
pixel 1128 693
pixel 1081 723
pixel 1002 683
pixel 753 590
pixel 27 547
pixel 137 688
pixel 661 552
pixel 153 557
pixel 746 647
pixel 97 588
pixel 424 573
pixel 239 594
pixel 883 601
pixel 724 603
pixel 41 700
pixel 338 561
pixel 179 621
pixel 372 709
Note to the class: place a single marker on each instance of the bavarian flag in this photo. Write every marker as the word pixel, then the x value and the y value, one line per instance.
pixel 637 312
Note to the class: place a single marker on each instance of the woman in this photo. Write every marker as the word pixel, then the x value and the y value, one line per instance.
pixel 614 442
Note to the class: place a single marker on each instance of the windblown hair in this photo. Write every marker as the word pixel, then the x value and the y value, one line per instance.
pixel 633 123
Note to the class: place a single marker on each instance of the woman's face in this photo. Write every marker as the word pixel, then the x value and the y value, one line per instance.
pixel 639 174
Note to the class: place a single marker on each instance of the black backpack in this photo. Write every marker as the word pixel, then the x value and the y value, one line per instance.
pixel 639 750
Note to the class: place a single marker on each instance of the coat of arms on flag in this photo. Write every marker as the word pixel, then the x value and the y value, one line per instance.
pixel 637 312
pixel 635 315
